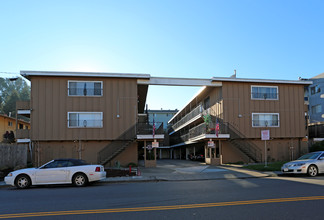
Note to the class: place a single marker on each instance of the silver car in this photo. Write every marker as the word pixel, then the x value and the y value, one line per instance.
pixel 311 164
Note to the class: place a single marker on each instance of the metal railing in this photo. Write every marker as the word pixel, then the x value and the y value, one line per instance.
pixel 85 123
pixel 147 128
pixel 262 95
pixel 196 111
pixel 84 92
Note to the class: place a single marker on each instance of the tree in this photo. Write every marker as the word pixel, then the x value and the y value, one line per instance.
pixel 12 91
pixel 9 106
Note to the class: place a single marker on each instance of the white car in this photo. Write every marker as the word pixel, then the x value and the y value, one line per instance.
pixel 59 171
pixel 311 164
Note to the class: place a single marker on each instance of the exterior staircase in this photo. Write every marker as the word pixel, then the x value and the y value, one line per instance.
pixel 112 150
pixel 242 143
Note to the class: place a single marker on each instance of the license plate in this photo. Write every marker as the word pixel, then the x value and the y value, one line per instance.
pixel 286 169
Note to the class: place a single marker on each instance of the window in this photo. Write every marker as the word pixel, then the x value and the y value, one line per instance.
pixel 265 119
pixel 85 120
pixel 316 109
pixel 264 92
pixel 10 123
pixel 315 89
pixel 85 88
pixel 21 126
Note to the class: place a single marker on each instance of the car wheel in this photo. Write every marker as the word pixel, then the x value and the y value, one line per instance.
pixel 22 182
pixel 312 170
pixel 80 179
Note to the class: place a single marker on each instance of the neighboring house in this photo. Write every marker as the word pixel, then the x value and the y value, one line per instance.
pixel 224 123
pixel 161 116
pixel 315 98
pixel 8 124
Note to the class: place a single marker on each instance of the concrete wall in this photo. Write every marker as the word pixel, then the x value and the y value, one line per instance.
pixel 12 155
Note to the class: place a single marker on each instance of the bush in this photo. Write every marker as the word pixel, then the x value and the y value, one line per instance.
pixel 319 146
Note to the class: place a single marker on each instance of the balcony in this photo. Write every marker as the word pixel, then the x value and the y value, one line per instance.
pixel 23 108
pixel 146 130
pixel 201 132
pixel 195 114
pixel 23 134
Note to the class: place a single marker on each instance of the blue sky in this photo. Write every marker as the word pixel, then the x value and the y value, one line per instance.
pixel 266 39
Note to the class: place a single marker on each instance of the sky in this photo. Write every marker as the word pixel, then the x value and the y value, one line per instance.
pixel 264 39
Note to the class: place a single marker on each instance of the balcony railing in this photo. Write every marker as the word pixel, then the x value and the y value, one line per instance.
pixel 199 130
pixel 23 134
pixel 196 111
pixel 147 128
pixel 23 105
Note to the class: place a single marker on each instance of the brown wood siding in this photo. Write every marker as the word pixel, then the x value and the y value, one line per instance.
pixel 51 104
pixel 290 106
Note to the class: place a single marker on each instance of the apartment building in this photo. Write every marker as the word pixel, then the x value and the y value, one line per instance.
pixel 224 123
pixel 92 116
pixel 100 117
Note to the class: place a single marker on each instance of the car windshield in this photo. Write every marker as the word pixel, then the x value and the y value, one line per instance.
pixel 309 156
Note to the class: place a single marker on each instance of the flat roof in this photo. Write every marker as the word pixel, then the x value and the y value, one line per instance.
pixel 28 73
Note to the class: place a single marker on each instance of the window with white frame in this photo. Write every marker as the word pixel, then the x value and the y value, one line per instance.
pixel 85 120
pixel 316 109
pixel 264 92
pixel 85 88
pixel 265 119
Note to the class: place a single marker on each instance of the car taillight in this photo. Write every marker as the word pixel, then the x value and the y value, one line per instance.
pixel 97 169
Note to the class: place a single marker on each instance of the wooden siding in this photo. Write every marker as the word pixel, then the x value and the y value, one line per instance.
pixel 238 108
pixel 50 105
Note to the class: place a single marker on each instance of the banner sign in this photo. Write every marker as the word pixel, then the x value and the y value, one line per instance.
pixel 265 135
pixel 155 144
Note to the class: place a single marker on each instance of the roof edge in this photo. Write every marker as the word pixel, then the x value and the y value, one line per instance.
pixel 29 73
pixel 224 79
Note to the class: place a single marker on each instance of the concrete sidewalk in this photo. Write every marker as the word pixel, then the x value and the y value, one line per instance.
pixel 178 170
pixel 181 170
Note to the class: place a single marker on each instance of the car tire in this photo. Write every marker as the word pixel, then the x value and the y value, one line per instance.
pixel 22 181
pixel 80 180
pixel 312 171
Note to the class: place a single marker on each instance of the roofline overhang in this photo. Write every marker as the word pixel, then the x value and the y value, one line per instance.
pixel 27 74
pixel 225 79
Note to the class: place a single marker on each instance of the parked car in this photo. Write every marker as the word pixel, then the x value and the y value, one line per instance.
pixel 311 164
pixel 59 171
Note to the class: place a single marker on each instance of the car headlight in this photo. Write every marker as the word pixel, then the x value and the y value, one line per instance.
pixel 299 164
pixel 10 174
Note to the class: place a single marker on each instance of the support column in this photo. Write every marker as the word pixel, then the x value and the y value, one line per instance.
pixel 220 152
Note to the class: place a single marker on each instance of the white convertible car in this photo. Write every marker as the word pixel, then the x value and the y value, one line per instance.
pixel 59 171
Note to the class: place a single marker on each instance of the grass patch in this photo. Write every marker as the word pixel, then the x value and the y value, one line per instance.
pixel 274 166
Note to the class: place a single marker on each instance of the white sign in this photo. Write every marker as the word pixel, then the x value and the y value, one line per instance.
pixel 211 144
pixel 155 144
pixel 265 135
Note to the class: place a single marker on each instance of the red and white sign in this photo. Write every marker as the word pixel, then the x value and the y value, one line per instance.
pixel 155 144
pixel 211 144
pixel 265 135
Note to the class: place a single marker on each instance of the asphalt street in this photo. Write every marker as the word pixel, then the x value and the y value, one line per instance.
pixel 233 198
